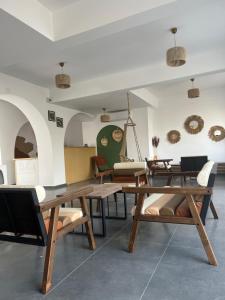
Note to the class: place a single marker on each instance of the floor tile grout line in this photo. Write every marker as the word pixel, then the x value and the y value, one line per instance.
pixel 84 261
pixel 157 265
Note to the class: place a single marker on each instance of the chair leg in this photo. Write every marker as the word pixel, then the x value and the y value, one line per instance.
pixel 134 227
pixel 133 235
pixel 50 251
pixel 213 209
pixel 88 225
pixel 202 232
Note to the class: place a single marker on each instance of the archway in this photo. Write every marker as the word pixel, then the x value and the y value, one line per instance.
pixel 43 137
pixel 74 131
pixel 26 143
pixel 77 155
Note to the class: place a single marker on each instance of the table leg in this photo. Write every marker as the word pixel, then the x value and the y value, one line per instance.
pixel 103 217
pixel 91 213
pixel 125 205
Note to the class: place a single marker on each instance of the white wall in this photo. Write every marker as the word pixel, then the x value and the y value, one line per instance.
pixel 31 99
pixel 11 119
pixel 74 133
pixel 172 113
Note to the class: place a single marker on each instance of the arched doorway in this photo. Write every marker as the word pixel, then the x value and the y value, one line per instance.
pixel 77 155
pixel 43 137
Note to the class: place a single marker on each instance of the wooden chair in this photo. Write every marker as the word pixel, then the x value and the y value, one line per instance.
pixel 158 165
pixel 100 167
pixel 178 205
pixel 22 221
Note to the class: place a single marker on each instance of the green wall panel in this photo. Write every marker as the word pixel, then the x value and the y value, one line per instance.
pixel 112 150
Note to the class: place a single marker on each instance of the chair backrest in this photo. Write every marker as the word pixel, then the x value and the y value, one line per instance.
pixel 20 218
pixel 100 162
pixel 192 163
pixel 1 177
pixel 206 177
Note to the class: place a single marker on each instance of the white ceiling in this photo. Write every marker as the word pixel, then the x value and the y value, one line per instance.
pixel 28 55
pixel 110 101
pixel 54 5
pixel 178 87
pixel 125 50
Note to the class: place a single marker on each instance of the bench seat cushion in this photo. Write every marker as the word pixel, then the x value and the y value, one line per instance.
pixel 183 209
pixel 67 215
pixel 165 204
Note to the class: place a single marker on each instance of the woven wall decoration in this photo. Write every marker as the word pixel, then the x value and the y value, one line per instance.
pixel 104 142
pixel 117 135
pixel 194 124
pixel 216 133
pixel 173 136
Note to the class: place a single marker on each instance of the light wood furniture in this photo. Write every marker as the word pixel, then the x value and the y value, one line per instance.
pixel 21 221
pixel 195 219
pixel 26 171
pixel 78 165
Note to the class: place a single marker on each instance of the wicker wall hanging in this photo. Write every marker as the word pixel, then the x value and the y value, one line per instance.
pixel 117 135
pixel 104 141
pixel 216 133
pixel 173 136
pixel 194 124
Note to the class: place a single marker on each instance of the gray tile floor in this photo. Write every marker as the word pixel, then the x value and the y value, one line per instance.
pixel 168 263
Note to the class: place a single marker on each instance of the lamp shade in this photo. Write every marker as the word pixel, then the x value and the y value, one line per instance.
pixel 193 93
pixel 62 81
pixel 176 56
pixel 105 118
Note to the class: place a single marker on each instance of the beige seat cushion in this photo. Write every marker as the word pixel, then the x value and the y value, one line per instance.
pixel 169 208
pixel 154 208
pixel 130 165
pixel 67 215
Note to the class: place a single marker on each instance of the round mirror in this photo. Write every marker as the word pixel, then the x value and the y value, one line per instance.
pixel 194 124
pixel 217 133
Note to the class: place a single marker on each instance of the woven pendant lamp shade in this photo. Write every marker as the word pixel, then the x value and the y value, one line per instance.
pixel 62 81
pixel 176 56
pixel 105 118
pixel 193 93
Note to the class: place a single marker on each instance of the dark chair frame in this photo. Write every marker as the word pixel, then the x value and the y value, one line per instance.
pixel 21 221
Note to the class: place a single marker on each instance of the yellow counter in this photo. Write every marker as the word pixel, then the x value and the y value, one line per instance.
pixel 78 163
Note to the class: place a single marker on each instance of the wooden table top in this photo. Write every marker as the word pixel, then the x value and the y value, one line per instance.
pixel 102 191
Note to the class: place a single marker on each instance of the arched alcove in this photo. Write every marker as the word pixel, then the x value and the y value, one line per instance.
pixel 26 143
pixel 43 137
pixel 74 131
pixel 77 155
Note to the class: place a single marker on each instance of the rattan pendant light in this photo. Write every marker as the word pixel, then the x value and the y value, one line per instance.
pixel 176 56
pixel 105 117
pixel 62 80
pixel 193 92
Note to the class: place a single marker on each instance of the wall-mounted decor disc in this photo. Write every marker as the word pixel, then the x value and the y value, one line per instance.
pixel 194 124
pixel 104 141
pixel 216 133
pixel 173 136
pixel 117 135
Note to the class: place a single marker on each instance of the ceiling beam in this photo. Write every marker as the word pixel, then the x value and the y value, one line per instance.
pixel 142 77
